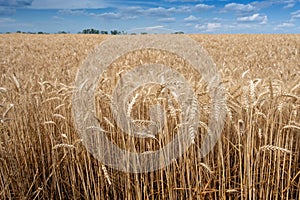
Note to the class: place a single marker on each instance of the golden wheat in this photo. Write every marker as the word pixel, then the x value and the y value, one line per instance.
pixel 257 156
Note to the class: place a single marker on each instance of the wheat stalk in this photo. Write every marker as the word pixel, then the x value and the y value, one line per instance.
pixel 52 99
pixel 206 167
pixel 275 148
pixel 3 89
pixel 16 82
pixel 59 116
pixel 59 106
pixel 131 104
pixel 69 146
pixel 108 122
pixel 49 122
pixel 106 174
pixel 7 110
pixel 291 127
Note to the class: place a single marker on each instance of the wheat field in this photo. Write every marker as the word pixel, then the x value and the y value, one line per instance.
pixel 257 156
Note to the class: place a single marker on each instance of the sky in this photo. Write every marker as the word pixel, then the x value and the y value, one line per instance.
pixel 155 16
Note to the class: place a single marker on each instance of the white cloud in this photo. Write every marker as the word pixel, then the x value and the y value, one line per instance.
pixel 264 4
pixel 6 20
pixel 159 29
pixel 8 7
pixel 151 28
pixel 69 4
pixel 108 15
pixel 217 19
pixel 7 11
pixel 184 9
pixel 213 26
pixel 72 12
pixel 263 19
pixel 57 18
pixel 237 7
pixel 15 3
pixel 167 20
pixel 284 25
pixel 185 1
pixel 135 10
pixel 131 13
pixel 189 25
pixel 255 6
pixel 204 7
pixel 13 25
pixel 160 11
pixel 191 18
pixel 154 11
pixel 295 15
pixel 209 27
pixel 229 27
pixel 289 5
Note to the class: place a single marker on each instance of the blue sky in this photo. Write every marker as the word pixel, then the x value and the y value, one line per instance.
pixel 156 16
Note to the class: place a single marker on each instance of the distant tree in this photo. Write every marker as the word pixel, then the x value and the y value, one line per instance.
pixel 104 32
pixel 114 32
pixel 19 32
pixel 62 32
pixel 133 34
pixel 144 33
pixel 179 32
pixel 94 31
pixel 90 31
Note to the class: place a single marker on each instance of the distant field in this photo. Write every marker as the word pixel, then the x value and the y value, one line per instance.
pixel 257 157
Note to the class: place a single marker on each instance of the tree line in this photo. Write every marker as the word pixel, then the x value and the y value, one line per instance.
pixel 95 31
pixel 91 31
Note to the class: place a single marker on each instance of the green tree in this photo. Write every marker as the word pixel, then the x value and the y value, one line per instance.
pixel 104 32
pixel 90 31
pixel 115 32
